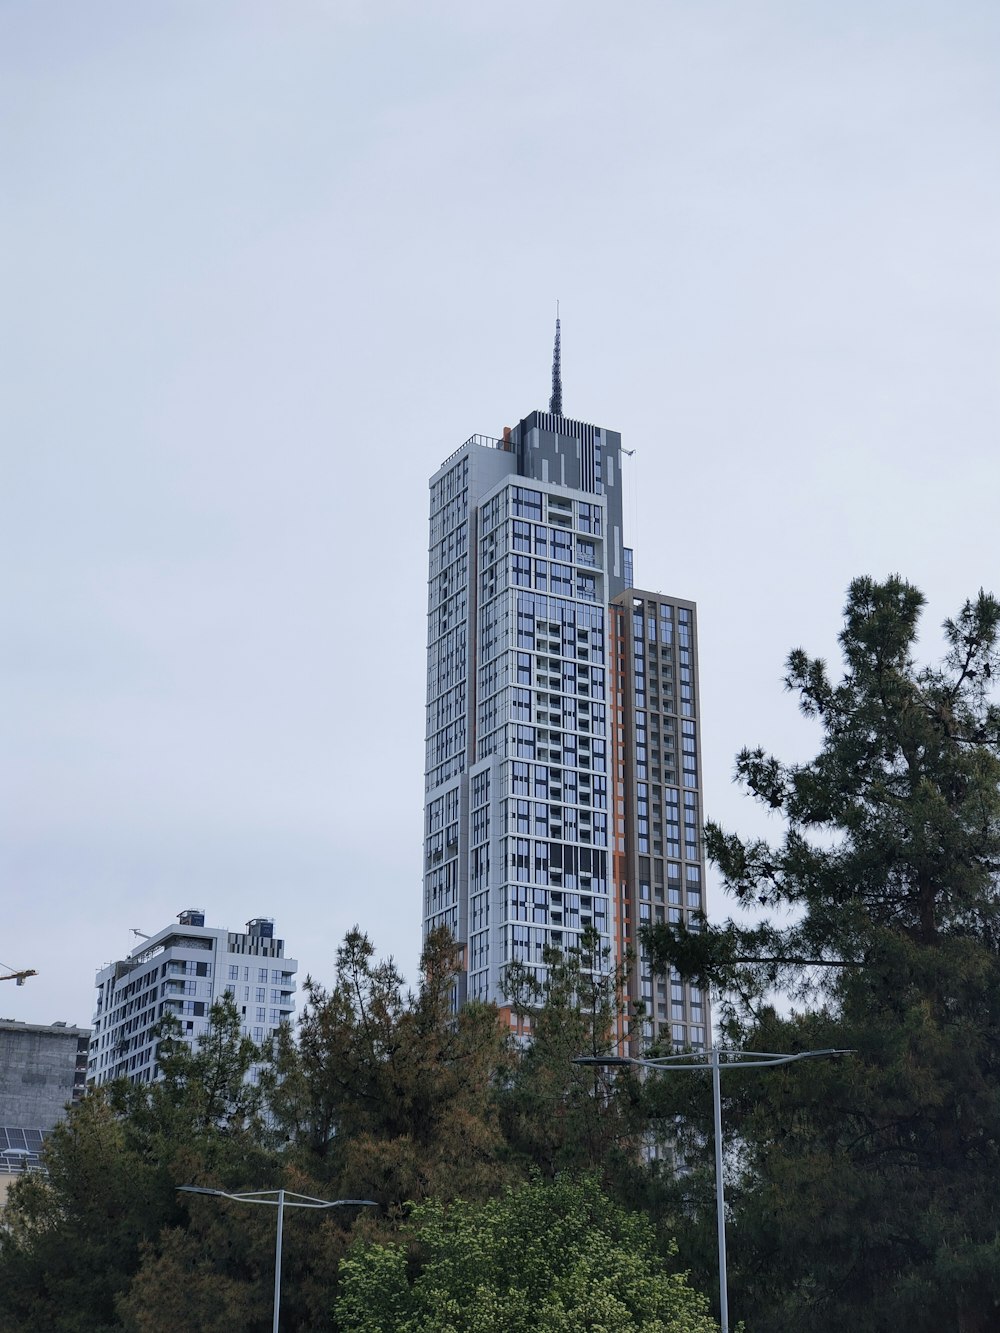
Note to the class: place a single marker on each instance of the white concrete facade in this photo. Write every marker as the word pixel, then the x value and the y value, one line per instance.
pixel 182 970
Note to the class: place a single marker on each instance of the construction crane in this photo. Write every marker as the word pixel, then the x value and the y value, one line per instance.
pixel 19 977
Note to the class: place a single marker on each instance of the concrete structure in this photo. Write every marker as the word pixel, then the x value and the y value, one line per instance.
pixel 42 1069
pixel 560 767
pixel 181 971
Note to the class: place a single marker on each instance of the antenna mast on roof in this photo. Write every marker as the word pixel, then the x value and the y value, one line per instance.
pixel 555 402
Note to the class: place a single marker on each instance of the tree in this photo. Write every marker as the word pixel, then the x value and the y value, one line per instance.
pixel 557 1115
pixel 207 1091
pixel 865 1198
pixel 214 1271
pixel 211 1083
pixel 545 1257
pixel 71 1239
pixel 391 1095
pixel 105 1220
pixel 214 1268
pixel 183 1286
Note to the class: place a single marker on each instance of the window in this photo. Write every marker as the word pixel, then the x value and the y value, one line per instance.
pixel 562 545
pixel 586 587
pixel 527 504
pixel 234 972
pixel 560 581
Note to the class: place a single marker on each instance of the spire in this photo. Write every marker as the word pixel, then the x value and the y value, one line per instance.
pixel 555 402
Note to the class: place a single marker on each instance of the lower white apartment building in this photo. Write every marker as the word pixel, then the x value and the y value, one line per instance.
pixel 182 970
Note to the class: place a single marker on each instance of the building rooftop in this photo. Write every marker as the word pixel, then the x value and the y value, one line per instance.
pixel 17 1025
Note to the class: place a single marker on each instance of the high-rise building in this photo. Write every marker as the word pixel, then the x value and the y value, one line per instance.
pixel 562 763
pixel 182 970
pixel 659 867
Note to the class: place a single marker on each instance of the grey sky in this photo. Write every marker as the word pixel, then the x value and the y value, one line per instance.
pixel 265 265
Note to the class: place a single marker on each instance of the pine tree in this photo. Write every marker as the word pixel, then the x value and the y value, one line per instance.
pixel 865 1197
pixel 391 1094
pixel 557 1115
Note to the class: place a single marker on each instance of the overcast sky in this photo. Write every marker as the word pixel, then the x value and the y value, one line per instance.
pixel 265 265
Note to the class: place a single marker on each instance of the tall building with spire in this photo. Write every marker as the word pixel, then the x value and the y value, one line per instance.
pixel 562 749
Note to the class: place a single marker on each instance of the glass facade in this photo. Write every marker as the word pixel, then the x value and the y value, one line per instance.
pixel 562 763
pixel 658 798
pixel 539 819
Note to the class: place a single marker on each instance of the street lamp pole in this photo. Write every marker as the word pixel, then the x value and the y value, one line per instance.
pixel 720 1192
pixel 277 1260
pixel 280 1199
pixel 714 1060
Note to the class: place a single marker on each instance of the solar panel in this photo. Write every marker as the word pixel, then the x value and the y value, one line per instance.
pixel 12 1136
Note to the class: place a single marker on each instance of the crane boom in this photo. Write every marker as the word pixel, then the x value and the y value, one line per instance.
pixel 20 977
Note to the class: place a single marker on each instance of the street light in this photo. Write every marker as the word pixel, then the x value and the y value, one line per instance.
pixel 713 1060
pixel 280 1199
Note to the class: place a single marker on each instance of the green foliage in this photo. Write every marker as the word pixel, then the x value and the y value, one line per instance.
pixel 183 1285
pixel 391 1095
pixel 550 1257
pixel 71 1240
pixel 205 1096
pixel 75 1238
pixel 388 1095
pixel 861 1193
pixel 208 1085
pixel 557 1115
pixel 892 830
